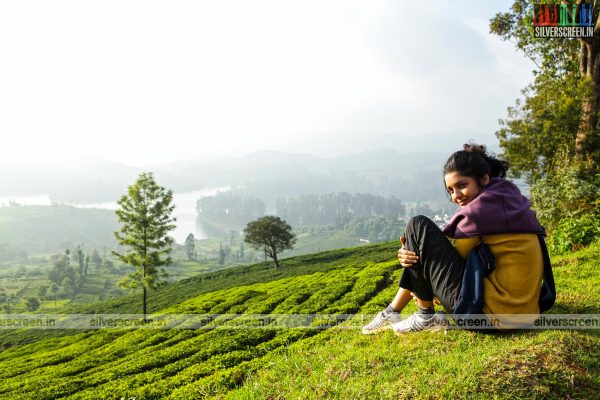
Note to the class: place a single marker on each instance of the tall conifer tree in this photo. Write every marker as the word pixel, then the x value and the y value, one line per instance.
pixel 145 214
pixel 190 246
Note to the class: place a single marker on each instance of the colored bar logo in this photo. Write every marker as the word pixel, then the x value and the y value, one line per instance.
pixel 563 20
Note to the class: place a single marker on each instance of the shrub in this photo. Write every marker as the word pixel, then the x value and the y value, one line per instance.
pixel 574 233
pixel 567 203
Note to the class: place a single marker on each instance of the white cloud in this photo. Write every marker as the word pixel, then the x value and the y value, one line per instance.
pixel 154 81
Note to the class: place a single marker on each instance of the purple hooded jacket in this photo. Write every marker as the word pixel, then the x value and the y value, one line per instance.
pixel 499 208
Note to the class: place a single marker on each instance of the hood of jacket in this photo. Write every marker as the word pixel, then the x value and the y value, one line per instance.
pixel 499 208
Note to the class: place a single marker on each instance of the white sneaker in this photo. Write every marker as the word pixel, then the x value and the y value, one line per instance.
pixel 381 323
pixel 419 322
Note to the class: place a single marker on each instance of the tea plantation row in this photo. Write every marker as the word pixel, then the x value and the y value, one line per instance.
pixel 188 363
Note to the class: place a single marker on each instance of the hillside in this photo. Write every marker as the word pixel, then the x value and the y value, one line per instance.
pixel 55 227
pixel 397 170
pixel 311 363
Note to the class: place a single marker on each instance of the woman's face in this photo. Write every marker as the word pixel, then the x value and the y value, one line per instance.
pixel 463 189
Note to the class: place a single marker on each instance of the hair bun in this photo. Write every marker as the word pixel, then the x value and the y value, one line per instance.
pixel 475 148
pixel 474 161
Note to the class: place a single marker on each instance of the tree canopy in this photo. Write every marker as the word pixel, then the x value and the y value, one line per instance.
pixel 271 234
pixel 551 136
pixel 558 117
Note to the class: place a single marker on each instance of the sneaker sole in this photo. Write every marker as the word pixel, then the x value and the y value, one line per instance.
pixel 435 328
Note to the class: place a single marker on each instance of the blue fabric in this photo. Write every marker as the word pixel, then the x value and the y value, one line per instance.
pixel 548 293
pixel 480 262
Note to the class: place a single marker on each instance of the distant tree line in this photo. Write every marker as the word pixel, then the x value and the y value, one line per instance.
pixel 70 268
pixel 337 209
pixel 375 229
pixel 374 218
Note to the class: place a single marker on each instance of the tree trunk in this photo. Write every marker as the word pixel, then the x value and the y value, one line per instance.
pixel 145 293
pixel 275 258
pixel 589 65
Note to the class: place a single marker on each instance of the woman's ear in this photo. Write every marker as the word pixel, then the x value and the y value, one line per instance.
pixel 485 180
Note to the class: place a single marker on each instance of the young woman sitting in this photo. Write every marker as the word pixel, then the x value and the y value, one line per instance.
pixel 491 210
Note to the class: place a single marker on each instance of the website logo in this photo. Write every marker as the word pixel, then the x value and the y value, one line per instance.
pixel 565 20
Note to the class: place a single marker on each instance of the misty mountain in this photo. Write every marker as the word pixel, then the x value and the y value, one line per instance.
pixel 410 168
pixel 79 179
pixel 50 228
pixel 271 174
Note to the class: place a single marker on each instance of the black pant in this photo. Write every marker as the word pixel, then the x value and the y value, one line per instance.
pixel 440 268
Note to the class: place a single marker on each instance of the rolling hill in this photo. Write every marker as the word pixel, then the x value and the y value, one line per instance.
pixel 54 227
pixel 338 362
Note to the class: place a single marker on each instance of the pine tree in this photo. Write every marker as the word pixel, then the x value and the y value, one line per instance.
pixel 80 258
pixel 3 297
pixel 145 214
pixel 221 254
pixel 42 292
pixel 96 260
pixel 54 290
pixel 190 246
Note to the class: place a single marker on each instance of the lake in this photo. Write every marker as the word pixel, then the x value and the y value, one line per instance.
pixel 185 209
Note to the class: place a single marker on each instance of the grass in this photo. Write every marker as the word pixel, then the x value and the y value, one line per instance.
pixel 460 364
pixel 343 364
pixel 210 282
pixel 311 363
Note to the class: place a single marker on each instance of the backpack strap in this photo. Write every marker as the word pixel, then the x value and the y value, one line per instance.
pixel 548 293
pixel 480 262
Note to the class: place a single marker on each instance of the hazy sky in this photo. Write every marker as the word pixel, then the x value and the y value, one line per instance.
pixel 146 81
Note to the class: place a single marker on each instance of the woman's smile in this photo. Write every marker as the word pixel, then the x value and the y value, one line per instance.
pixel 463 189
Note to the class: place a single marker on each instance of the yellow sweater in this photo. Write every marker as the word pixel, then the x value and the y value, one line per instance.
pixel 515 284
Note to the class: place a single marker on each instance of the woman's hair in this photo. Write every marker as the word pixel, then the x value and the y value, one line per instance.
pixel 474 161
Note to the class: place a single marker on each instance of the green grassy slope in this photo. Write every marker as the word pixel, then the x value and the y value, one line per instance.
pixel 212 282
pixel 48 228
pixel 313 363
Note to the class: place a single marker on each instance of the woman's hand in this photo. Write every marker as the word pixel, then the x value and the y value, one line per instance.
pixel 407 258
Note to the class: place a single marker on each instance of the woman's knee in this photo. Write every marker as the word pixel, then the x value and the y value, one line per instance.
pixel 415 222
